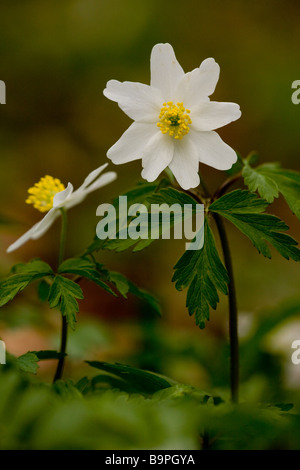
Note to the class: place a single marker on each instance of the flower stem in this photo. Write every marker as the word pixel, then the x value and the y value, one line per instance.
pixel 233 314
pixel 226 185
pixel 64 330
pixel 63 235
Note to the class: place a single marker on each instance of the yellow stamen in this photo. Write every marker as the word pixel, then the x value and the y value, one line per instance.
pixel 42 193
pixel 174 119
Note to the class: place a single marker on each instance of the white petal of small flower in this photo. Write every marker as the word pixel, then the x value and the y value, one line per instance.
pixel 60 198
pixel 196 86
pixel 65 199
pixel 158 156
pixel 185 164
pixel 23 239
pixel 166 72
pixel 133 143
pixel 212 115
pixel 185 117
pixel 140 102
pixel 92 176
pixel 103 180
pixel 212 150
pixel 45 223
pixel 80 194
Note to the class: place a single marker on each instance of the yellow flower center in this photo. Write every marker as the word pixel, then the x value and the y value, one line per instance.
pixel 42 193
pixel 174 119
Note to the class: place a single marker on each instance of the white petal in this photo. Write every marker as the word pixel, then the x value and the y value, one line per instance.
pixel 133 143
pixel 103 180
pixel 212 115
pixel 36 231
pixel 185 164
pixel 140 102
pixel 22 240
pixel 196 86
pixel 158 156
pixel 92 176
pixel 166 72
pixel 212 150
pixel 45 223
pixel 61 197
pixel 79 195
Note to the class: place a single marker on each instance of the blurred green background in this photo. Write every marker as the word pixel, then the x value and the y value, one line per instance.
pixel 55 58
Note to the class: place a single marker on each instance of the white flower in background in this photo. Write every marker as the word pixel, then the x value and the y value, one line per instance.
pixel 174 120
pixel 49 195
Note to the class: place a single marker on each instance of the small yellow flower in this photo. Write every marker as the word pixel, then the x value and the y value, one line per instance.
pixel 42 193
pixel 50 195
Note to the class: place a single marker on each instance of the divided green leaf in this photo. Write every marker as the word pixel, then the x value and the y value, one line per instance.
pixel 84 267
pixel 244 210
pixel 270 180
pixel 204 274
pixel 28 363
pixel 23 275
pixel 63 294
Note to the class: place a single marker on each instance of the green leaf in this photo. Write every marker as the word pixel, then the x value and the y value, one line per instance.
pixel 139 194
pixel 204 273
pixel 239 202
pixel 124 286
pixel 23 274
pixel 270 180
pixel 85 268
pixel 28 363
pixel 63 294
pixel 121 283
pixel 244 209
pixel 139 381
pixel 145 296
pixel 285 406
pixel 168 196
pixel 266 187
pixel 43 290
pixel 66 390
pixel 171 196
pixel 34 266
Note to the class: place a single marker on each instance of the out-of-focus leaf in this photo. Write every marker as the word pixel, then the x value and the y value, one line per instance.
pixel 28 362
pixel 43 290
pixel 140 381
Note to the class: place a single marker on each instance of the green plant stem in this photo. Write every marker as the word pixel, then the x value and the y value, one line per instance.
pixel 63 345
pixel 64 329
pixel 63 235
pixel 233 314
pixel 226 185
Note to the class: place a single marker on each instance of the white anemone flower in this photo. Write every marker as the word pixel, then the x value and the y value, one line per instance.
pixel 49 194
pixel 174 120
